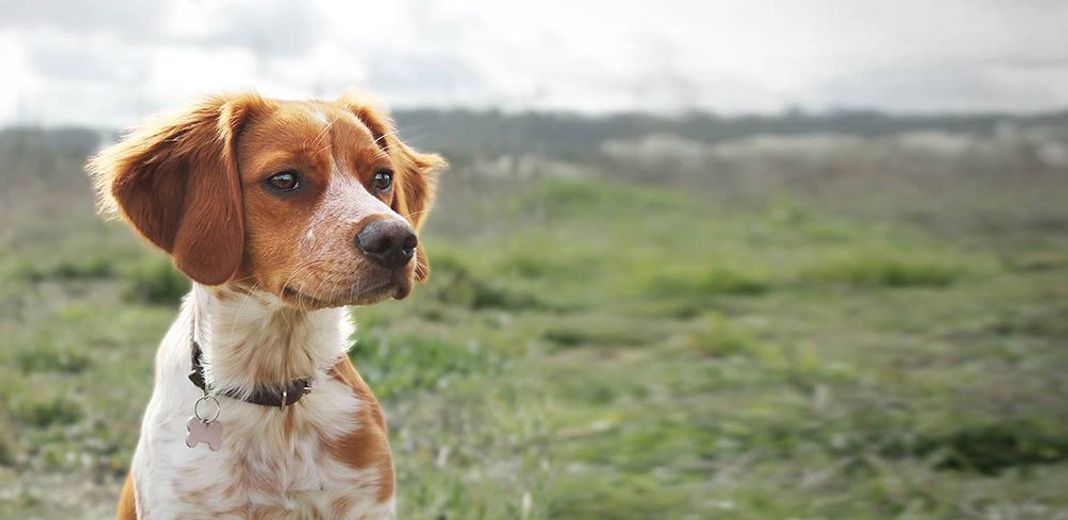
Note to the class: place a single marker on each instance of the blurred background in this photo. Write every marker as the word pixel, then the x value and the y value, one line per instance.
pixel 742 260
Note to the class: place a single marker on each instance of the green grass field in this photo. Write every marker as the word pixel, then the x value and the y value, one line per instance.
pixel 595 349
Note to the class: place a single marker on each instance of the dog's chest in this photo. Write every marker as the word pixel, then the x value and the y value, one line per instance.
pixel 272 464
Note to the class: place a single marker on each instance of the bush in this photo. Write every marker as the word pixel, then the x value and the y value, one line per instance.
pixel 46 356
pixel 548 262
pixel 154 281
pixel 89 267
pixel 7 451
pixel 564 197
pixel 884 271
pixel 398 366
pixel 712 282
pixel 599 329
pixel 42 412
pixel 716 337
pixel 991 449
pixel 455 285
pixel 1049 321
pixel 86 267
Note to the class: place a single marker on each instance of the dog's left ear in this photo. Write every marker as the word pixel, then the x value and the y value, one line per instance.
pixel 414 173
pixel 176 182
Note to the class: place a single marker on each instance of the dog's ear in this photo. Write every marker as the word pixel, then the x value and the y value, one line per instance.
pixel 414 173
pixel 176 182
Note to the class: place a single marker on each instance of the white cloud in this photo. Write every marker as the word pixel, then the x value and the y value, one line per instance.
pixel 11 61
pixel 109 62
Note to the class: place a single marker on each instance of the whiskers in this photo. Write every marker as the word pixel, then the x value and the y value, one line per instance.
pixel 412 215
pixel 314 277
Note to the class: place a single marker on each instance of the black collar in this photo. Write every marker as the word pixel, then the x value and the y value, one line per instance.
pixel 275 395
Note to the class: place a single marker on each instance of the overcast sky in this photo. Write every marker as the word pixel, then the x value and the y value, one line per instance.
pixel 110 62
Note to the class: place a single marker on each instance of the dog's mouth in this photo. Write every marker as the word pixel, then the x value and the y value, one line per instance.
pixel 303 300
pixel 365 295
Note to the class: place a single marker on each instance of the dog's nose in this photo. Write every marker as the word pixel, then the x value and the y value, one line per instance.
pixel 390 243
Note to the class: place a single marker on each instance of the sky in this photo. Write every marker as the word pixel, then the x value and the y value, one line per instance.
pixel 112 62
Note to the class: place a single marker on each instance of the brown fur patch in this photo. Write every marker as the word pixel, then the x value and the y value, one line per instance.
pixel 176 181
pixel 368 446
pixel 127 509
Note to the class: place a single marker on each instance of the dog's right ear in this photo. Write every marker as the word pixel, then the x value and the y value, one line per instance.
pixel 176 182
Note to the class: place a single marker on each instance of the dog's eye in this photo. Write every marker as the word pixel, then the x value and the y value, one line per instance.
pixel 288 180
pixel 383 180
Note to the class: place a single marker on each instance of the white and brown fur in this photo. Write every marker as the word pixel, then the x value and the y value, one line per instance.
pixel 271 276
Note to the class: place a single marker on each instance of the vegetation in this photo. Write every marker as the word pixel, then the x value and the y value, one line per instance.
pixel 610 345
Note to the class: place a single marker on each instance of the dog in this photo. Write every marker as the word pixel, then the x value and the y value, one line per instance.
pixel 281 213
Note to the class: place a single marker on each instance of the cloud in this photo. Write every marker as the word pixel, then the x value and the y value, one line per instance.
pixel 109 62
pixel 142 17
pixel 951 86
pixel 268 28
pixel 101 58
pixel 422 75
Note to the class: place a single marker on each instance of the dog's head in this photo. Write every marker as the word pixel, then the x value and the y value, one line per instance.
pixel 317 202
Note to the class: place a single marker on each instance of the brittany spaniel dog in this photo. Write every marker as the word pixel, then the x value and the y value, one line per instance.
pixel 281 213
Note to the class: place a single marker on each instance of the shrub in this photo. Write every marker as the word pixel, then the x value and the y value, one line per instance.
pixel 716 337
pixel 154 281
pixel 993 448
pixel 7 451
pixel 884 271
pixel 724 281
pixel 45 411
pixel 46 356
pixel 599 329
pixel 715 281
pixel 455 285
pixel 87 267
pixel 1049 321
pixel 395 366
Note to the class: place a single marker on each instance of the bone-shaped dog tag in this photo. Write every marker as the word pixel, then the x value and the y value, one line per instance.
pixel 201 428
pixel 208 432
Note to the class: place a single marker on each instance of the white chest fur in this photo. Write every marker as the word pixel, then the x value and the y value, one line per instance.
pixel 273 463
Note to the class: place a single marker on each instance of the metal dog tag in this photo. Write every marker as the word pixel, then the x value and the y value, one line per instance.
pixel 201 430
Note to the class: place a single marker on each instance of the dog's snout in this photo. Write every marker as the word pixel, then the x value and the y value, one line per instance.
pixel 389 243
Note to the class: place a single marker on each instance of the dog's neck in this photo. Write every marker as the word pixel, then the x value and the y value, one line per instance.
pixel 250 338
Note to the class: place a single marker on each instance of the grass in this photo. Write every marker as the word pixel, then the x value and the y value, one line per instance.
pixel 42 412
pixel 47 355
pixel 715 336
pixel 608 350
pixel 154 281
pixel 888 271
pixel 65 269
pixel 410 364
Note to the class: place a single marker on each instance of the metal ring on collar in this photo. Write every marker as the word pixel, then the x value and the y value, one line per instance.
pixel 196 408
